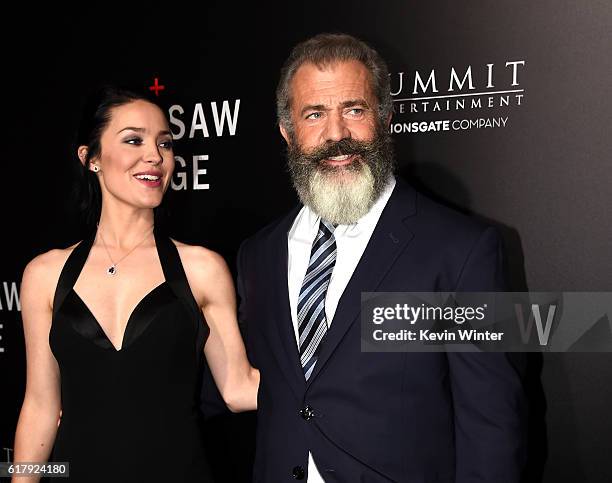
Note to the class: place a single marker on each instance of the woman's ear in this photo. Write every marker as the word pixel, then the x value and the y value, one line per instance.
pixel 82 154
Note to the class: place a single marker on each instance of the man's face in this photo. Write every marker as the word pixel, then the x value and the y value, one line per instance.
pixel 339 153
pixel 330 105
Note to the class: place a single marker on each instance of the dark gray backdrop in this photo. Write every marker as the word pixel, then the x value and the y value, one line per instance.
pixel 543 179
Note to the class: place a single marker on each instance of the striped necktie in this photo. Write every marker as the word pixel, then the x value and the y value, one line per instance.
pixel 312 322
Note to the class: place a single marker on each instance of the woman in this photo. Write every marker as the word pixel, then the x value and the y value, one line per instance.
pixel 113 326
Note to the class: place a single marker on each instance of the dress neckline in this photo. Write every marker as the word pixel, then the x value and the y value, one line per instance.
pixel 84 249
pixel 67 304
pixel 130 321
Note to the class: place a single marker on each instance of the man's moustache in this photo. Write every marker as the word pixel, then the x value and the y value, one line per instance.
pixel 339 148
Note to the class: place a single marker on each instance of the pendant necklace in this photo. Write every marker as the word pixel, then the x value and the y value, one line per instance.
pixel 112 270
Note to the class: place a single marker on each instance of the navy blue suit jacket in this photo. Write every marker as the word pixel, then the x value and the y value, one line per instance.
pixel 382 417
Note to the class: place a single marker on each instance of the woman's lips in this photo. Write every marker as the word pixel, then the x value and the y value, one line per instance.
pixel 151 181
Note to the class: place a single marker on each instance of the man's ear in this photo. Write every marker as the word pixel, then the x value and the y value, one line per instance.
pixel 389 120
pixel 82 154
pixel 284 133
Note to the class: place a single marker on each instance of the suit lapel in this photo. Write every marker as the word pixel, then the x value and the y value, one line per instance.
pixel 389 239
pixel 279 329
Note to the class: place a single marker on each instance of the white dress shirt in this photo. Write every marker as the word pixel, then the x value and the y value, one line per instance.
pixel 351 242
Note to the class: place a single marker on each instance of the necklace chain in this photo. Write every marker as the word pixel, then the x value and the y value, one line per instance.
pixel 112 270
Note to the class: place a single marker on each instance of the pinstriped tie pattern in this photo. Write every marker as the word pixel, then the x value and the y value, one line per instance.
pixel 312 322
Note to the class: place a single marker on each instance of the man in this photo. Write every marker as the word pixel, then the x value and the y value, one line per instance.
pixel 327 411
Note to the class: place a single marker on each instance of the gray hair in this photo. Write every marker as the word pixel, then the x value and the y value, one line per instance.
pixel 323 50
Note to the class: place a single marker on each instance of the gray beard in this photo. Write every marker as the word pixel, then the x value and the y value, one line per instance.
pixel 342 194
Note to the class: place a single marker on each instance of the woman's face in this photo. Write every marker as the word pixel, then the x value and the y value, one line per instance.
pixel 136 160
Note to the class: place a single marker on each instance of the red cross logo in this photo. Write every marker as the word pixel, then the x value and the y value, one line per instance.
pixel 156 87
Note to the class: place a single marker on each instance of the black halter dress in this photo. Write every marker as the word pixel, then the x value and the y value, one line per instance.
pixel 130 415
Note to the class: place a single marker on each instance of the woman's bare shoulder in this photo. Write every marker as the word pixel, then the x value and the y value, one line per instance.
pixel 44 270
pixel 206 270
pixel 199 259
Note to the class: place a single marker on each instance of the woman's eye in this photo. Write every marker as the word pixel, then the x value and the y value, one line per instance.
pixel 136 141
pixel 166 144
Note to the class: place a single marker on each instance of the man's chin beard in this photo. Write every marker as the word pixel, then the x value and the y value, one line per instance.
pixel 340 195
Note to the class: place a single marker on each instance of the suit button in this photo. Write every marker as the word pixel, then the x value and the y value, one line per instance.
pixel 307 412
pixel 298 473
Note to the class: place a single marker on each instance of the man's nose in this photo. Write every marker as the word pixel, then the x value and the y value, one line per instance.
pixel 336 128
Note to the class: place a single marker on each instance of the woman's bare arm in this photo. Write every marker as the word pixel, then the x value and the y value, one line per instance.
pixel 213 288
pixel 39 416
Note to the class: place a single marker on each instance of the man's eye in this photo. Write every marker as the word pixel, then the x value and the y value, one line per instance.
pixel 356 111
pixel 136 141
pixel 314 115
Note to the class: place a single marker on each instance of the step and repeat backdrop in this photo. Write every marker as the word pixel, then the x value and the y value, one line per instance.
pixel 501 109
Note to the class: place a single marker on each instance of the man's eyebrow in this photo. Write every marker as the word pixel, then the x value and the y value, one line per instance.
pixel 343 105
pixel 312 107
pixel 355 102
